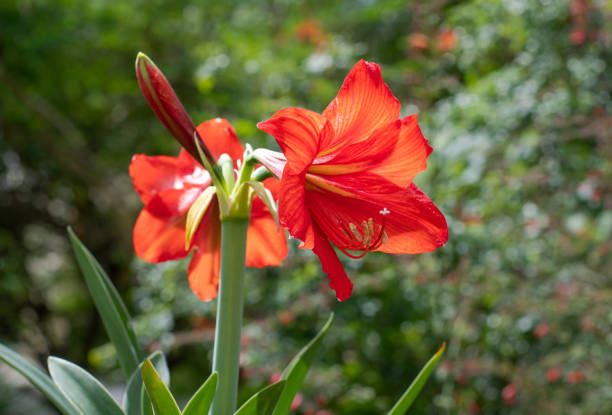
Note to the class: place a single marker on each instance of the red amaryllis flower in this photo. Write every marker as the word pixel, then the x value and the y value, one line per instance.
pixel 347 176
pixel 168 186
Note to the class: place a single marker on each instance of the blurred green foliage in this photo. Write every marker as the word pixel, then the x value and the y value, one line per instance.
pixel 515 98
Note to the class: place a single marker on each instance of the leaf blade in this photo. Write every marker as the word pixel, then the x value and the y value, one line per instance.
pixel 406 400
pixel 39 379
pixel 111 308
pixel 297 369
pixel 136 401
pixel 83 390
pixel 201 400
pixel 161 398
pixel 264 401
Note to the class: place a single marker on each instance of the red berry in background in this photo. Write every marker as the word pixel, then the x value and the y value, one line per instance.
pixel 297 401
pixel 419 41
pixel 275 377
pixel 574 377
pixel 578 36
pixel 447 40
pixel 509 394
pixel 474 408
pixel 541 330
pixel 553 375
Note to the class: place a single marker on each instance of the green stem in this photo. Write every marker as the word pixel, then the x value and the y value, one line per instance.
pixel 229 314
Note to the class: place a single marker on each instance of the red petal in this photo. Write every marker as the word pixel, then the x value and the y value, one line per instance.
pixel 369 153
pixel 273 185
pixel 152 174
pixel 220 137
pixel 360 184
pixel 408 158
pixel 414 224
pixel 298 132
pixel 204 267
pixel 159 239
pixel 190 171
pixel 266 244
pixel 173 202
pixel 292 211
pixel 334 215
pixel 363 104
pixel 338 281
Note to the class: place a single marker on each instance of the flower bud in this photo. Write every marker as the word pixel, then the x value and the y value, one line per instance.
pixel 163 101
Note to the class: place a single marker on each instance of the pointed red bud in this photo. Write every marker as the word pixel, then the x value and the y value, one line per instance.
pixel 163 101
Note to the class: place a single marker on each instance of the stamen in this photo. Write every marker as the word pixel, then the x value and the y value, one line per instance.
pixel 355 232
pixel 366 233
pixel 370 240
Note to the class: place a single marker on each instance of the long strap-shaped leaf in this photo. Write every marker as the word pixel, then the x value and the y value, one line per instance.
pixel 136 400
pixel 38 379
pixel 404 403
pixel 114 314
pixel 264 401
pixel 82 389
pixel 199 404
pixel 162 399
pixel 296 371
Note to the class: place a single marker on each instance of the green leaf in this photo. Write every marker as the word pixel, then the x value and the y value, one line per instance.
pixel 264 401
pixel 136 400
pixel 83 390
pixel 162 399
pixel 296 371
pixel 39 379
pixel 403 404
pixel 199 404
pixel 114 314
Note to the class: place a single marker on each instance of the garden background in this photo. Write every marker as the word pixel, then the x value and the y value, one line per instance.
pixel 515 98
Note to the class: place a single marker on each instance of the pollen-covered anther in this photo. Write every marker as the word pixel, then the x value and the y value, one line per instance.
pixel 368 238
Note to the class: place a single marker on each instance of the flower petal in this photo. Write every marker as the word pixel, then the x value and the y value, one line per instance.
pixel 220 137
pixel 266 243
pixel 292 211
pixel 205 265
pixel 297 132
pixel 191 171
pixel 414 224
pixel 173 202
pixel 152 174
pixel 338 281
pixel 363 104
pixel 342 218
pixel 159 239
pixel 273 160
pixel 408 158
pixel 366 154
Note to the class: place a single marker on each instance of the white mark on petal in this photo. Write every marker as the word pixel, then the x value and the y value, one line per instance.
pixel 384 212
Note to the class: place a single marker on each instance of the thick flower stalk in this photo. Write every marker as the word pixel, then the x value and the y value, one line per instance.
pixel 347 176
pixel 205 201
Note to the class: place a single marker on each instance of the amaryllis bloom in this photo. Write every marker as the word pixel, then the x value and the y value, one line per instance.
pixel 347 176
pixel 168 187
